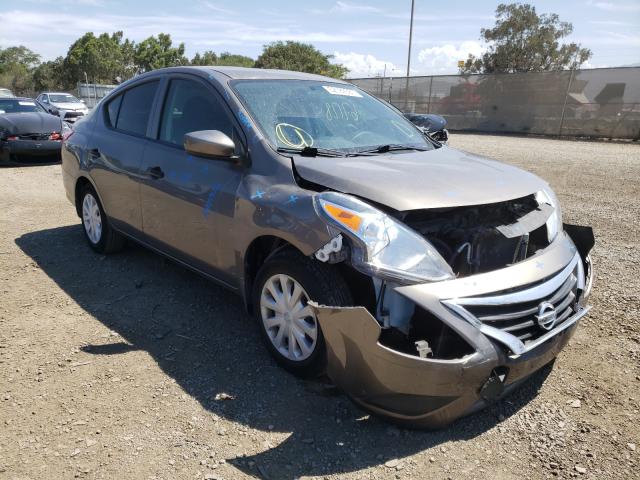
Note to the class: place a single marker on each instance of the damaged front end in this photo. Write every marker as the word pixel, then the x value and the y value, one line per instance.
pixel 514 285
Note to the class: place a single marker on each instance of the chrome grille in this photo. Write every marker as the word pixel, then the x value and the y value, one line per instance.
pixel 519 319
pixel 511 316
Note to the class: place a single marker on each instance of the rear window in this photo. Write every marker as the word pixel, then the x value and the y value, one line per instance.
pixel 18 106
pixel 135 108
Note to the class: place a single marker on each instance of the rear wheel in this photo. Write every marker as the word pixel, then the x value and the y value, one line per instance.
pixel 282 290
pixel 97 229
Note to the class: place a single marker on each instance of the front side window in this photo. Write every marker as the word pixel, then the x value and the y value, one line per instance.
pixel 303 113
pixel 135 108
pixel 190 107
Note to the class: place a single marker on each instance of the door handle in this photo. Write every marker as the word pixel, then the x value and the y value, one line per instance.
pixel 156 173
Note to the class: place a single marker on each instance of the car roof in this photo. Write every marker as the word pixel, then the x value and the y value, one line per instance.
pixel 56 93
pixel 243 73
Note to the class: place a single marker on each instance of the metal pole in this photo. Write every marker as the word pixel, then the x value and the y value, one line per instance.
pixel 566 93
pixel 429 101
pixel 410 38
pixel 406 88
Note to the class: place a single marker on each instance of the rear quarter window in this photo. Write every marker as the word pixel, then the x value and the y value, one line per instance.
pixel 112 110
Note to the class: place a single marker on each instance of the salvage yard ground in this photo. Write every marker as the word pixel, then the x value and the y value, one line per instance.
pixel 130 366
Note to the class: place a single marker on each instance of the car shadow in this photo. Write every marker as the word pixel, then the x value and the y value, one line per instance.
pixel 201 336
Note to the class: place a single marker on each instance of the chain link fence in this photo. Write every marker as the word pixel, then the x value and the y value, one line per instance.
pixel 602 102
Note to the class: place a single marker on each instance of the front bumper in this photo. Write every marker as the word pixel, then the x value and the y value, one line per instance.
pixel 71 116
pixel 432 392
pixel 28 151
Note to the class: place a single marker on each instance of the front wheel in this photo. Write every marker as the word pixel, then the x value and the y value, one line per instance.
pixel 282 290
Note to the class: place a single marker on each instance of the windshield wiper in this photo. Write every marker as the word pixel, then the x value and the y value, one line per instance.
pixel 392 148
pixel 312 152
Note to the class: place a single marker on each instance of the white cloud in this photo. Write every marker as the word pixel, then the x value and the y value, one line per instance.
pixel 364 65
pixel 615 7
pixel 444 58
pixel 344 7
pixel 215 8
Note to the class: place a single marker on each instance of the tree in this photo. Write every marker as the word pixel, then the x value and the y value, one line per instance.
pixel 16 68
pixel 49 75
pixel 225 58
pixel 207 58
pixel 235 60
pixel 523 41
pixel 300 57
pixel 159 52
pixel 101 58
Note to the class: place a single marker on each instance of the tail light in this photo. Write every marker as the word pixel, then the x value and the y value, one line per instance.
pixel 55 136
pixel 12 137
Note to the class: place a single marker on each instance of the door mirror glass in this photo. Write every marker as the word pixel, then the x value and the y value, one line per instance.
pixel 209 143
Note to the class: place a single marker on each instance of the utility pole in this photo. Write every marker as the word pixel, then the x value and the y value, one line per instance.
pixel 410 37
pixel 406 87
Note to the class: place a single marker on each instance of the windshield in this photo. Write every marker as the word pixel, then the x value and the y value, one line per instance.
pixel 62 98
pixel 301 113
pixel 16 106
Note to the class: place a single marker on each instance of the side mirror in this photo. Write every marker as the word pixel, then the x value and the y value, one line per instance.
pixel 210 144
pixel 82 101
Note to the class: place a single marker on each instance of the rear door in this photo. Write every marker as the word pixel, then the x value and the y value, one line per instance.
pixel 115 152
pixel 188 202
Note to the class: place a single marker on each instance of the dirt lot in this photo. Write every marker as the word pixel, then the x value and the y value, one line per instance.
pixel 112 367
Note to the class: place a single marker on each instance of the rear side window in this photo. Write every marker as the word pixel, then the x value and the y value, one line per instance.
pixel 135 108
pixel 189 107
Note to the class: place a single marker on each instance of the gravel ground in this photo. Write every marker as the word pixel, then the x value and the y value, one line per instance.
pixel 129 366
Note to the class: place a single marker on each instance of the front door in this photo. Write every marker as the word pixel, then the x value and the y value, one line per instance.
pixel 188 202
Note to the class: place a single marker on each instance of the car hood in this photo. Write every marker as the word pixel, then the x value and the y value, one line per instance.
pixel 439 178
pixel 29 122
pixel 69 106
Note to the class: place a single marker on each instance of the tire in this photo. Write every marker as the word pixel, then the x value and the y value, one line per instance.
pixel 101 237
pixel 321 283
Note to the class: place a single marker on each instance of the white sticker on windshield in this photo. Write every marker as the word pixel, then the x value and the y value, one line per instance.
pixel 345 92
pixel 26 103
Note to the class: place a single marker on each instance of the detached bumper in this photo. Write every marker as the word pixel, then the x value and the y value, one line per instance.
pixel 432 392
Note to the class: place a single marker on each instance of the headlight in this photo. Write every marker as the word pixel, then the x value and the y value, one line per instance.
pixel 382 246
pixel 554 223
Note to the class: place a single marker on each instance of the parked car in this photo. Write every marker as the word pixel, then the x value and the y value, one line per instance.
pixel 6 93
pixel 28 134
pixel 425 281
pixel 64 105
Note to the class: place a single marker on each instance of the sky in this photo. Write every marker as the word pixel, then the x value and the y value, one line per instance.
pixel 367 36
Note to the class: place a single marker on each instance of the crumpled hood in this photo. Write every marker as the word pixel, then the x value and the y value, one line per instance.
pixel 29 122
pixel 69 106
pixel 444 177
